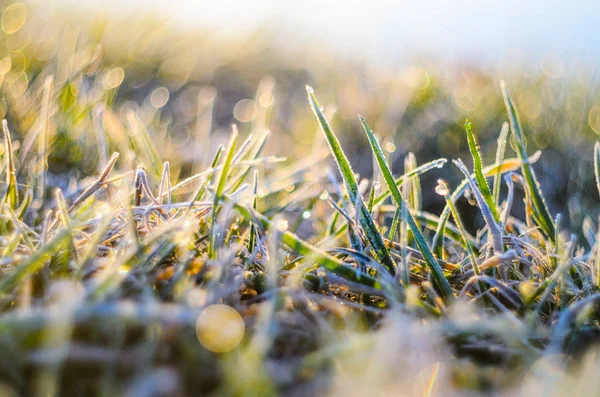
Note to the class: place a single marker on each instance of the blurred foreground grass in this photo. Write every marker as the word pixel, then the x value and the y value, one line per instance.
pixel 150 248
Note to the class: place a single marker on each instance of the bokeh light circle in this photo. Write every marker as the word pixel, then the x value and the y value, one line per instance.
pixel 220 328
pixel 13 18
pixel 594 119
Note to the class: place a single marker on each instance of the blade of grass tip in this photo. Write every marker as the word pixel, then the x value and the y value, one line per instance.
pixel 541 212
pixel 478 168
pixel 12 192
pixel 442 190
pixel 501 150
pixel 219 192
pixel 439 280
pixel 366 220
pixel 325 260
pixel 494 229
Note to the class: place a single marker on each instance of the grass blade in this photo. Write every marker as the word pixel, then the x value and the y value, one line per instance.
pixel 12 193
pixel 366 220
pixel 441 283
pixel 220 186
pixel 414 186
pixel 492 225
pixel 478 168
pixel 252 237
pixel 540 208
pixel 500 151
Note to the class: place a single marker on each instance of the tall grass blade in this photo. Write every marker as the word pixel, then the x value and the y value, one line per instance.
pixel 478 168
pixel 366 220
pixel 441 283
pixel 493 228
pixel 414 186
pixel 500 152
pixel 230 151
pixel 540 209
pixel 252 237
pixel 12 192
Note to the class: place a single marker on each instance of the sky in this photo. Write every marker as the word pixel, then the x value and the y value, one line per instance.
pixel 388 31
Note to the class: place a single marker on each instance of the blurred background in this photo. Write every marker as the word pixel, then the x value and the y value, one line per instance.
pixel 414 70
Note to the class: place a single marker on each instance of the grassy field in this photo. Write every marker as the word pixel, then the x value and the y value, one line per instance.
pixel 180 215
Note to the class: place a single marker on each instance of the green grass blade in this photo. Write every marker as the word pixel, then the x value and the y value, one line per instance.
pixel 441 283
pixel 12 193
pixel 366 220
pixel 219 192
pixel 495 234
pixel 478 167
pixel 500 151
pixel 372 197
pixel 394 226
pixel 252 237
pixel 540 208
pixel 414 186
